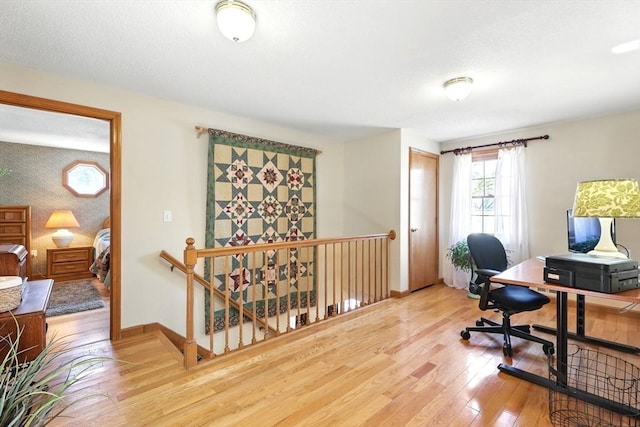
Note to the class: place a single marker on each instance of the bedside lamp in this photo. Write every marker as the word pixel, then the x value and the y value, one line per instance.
pixel 62 220
pixel 607 199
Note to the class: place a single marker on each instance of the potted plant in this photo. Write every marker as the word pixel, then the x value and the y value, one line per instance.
pixel 36 392
pixel 459 256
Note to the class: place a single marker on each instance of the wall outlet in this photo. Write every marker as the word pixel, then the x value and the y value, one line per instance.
pixel 34 253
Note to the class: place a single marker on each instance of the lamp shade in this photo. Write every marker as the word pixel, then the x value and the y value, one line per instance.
pixel 607 199
pixel 62 219
pixel 236 20
pixel 611 198
pixel 459 88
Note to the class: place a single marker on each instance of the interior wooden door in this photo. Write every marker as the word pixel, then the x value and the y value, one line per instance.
pixel 423 219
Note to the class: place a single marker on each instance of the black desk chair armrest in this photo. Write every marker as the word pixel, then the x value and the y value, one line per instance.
pixel 484 295
pixel 487 272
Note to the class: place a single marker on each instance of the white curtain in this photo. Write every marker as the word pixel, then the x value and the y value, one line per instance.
pixel 460 218
pixel 510 203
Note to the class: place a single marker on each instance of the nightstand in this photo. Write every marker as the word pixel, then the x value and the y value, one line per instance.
pixel 69 263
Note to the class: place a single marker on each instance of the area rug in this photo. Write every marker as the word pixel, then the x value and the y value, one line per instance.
pixel 73 296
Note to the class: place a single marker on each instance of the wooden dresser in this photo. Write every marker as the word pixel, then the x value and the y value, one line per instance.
pixel 15 228
pixel 69 263
pixel 31 318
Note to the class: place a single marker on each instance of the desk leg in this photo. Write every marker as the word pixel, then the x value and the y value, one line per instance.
pixel 580 315
pixel 561 352
pixel 561 336
pixel 524 375
pixel 580 336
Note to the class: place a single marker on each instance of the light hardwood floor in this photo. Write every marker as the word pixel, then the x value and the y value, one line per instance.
pixel 400 362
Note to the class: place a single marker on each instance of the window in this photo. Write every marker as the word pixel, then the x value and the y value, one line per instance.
pixel 483 179
pixel 85 179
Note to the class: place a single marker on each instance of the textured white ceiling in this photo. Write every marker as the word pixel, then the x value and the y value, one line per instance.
pixel 36 127
pixel 349 68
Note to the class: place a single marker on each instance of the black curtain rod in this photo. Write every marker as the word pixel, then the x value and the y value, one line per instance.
pixel 514 142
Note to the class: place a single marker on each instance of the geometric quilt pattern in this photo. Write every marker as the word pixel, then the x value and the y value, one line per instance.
pixel 259 191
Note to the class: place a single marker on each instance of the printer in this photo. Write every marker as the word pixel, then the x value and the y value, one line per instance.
pixel 600 274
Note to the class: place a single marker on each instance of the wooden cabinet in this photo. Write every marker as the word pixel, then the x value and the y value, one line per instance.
pixel 15 228
pixel 31 318
pixel 69 263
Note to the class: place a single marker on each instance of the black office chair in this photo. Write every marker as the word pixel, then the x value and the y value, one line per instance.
pixel 490 258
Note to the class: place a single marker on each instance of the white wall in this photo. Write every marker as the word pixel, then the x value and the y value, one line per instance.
pixel 377 192
pixel 594 148
pixel 164 168
pixel 371 191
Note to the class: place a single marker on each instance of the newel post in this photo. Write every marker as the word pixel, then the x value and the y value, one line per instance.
pixel 190 345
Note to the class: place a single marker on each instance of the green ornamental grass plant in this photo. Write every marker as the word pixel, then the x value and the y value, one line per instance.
pixel 35 393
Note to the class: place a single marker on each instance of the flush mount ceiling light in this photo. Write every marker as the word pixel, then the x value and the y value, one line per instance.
pixel 459 88
pixel 236 20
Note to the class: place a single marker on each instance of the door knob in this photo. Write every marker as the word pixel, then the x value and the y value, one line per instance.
pixel 413 230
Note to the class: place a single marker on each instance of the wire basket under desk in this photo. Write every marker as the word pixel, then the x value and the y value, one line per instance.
pixel 612 384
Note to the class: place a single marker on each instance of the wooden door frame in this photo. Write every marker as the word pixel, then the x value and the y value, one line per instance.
pixel 417 151
pixel 115 159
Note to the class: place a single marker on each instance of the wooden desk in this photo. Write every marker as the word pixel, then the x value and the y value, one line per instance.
pixel 530 273
pixel 30 315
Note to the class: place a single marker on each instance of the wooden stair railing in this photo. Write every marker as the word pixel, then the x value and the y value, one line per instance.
pixel 281 286
pixel 175 263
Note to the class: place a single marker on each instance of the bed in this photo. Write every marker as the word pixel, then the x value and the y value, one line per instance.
pixel 102 255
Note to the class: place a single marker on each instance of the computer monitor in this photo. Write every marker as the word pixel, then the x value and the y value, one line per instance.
pixel 584 232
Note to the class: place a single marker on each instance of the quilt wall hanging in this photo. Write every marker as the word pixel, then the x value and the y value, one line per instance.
pixel 259 191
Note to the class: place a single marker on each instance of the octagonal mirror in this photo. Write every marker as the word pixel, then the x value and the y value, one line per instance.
pixel 85 178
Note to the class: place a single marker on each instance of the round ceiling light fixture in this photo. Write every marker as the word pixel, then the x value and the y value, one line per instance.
pixel 236 20
pixel 459 88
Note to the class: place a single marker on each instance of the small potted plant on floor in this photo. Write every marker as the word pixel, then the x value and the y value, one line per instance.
pixel 459 256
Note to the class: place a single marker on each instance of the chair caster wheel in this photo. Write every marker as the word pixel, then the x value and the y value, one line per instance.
pixel 479 323
pixel 548 349
pixel 506 350
pixel 465 335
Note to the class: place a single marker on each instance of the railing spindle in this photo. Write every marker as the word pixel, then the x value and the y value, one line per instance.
pixel 369 281
pixel 212 312
pixel 265 293
pixel 288 284
pixel 334 308
pixel 309 285
pixel 325 315
pixel 348 273
pixel 227 296
pixel 241 300
pixel 298 279
pixel 386 262
pixel 362 301
pixel 253 298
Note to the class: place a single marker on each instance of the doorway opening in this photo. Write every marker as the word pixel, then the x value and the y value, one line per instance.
pixel 115 159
